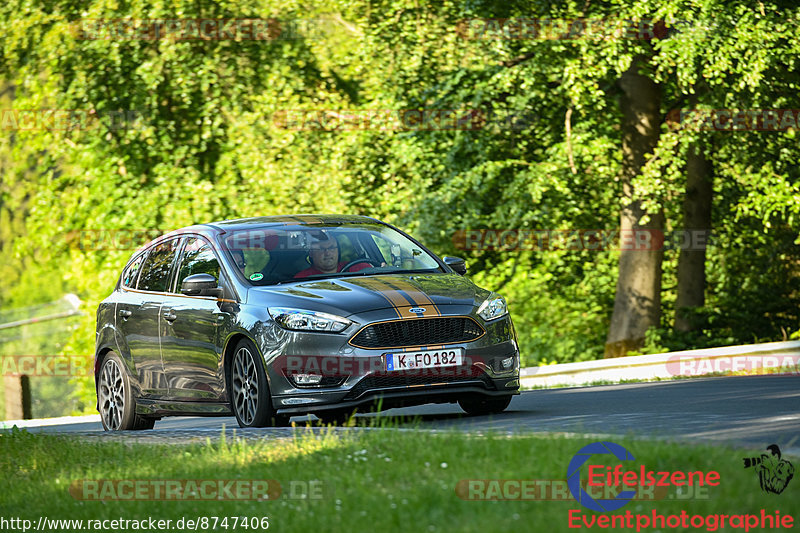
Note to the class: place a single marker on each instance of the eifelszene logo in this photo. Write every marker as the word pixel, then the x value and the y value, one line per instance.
pixel 774 473
pixel 616 477
pixel 612 478
pixel 574 476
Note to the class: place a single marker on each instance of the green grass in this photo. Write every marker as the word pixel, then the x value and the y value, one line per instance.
pixel 373 480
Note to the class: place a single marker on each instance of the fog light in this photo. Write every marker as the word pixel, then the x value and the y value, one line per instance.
pixel 307 379
pixel 296 401
pixel 507 362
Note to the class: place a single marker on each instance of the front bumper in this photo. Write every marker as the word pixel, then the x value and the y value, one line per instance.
pixel 360 378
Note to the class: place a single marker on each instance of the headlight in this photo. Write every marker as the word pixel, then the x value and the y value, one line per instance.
pixel 302 320
pixel 494 307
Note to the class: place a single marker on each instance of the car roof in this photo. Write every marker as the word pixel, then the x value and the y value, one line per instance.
pixel 224 226
pixel 290 220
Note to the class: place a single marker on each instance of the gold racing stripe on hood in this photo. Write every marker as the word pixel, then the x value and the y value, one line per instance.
pixel 393 297
pixel 418 297
pixel 405 302
pixel 401 295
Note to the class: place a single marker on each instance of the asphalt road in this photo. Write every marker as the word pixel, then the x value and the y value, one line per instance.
pixel 750 411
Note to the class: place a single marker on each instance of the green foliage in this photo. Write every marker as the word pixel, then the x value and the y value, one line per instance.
pixel 207 143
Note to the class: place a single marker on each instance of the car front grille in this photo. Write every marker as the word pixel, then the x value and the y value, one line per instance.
pixel 445 376
pixel 418 332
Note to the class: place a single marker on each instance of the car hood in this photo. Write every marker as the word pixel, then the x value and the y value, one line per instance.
pixel 357 294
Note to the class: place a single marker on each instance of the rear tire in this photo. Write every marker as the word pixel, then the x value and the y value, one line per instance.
pixel 251 401
pixel 484 405
pixel 116 399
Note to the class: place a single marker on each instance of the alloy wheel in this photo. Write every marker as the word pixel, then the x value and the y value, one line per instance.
pixel 245 385
pixel 112 394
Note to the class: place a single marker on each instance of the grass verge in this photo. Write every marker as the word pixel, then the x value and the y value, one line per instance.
pixel 369 480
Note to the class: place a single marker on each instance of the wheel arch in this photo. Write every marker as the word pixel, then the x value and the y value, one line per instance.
pixel 227 356
pixel 109 338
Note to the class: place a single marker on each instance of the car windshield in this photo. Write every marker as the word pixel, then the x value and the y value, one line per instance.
pixel 270 255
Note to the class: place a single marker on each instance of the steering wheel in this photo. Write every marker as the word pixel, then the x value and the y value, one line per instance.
pixel 360 260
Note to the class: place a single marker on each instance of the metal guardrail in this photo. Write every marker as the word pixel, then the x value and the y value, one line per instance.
pixel 17 389
pixel 44 422
pixel 752 358
pixel 71 300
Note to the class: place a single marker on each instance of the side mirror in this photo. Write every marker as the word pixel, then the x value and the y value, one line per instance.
pixel 456 263
pixel 200 285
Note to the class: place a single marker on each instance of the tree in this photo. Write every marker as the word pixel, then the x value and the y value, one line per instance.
pixel 697 229
pixel 637 305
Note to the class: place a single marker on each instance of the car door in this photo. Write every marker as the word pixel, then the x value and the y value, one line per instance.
pixel 138 315
pixel 190 330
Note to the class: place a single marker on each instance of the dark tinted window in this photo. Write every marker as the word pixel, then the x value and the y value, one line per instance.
pixel 157 267
pixel 130 274
pixel 198 258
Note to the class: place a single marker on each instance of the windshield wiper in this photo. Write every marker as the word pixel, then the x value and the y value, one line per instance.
pixel 418 271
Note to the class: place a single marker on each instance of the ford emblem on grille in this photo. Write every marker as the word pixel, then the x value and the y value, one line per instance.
pixel 417 309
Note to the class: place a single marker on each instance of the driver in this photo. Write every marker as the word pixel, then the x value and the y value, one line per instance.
pixel 324 256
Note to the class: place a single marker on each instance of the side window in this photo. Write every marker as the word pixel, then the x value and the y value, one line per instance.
pixel 198 258
pixel 130 274
pixel 157 267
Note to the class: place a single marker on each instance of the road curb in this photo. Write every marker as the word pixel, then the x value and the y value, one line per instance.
pixel 43 422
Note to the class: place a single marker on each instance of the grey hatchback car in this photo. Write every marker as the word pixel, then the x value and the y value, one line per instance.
pixel 272 317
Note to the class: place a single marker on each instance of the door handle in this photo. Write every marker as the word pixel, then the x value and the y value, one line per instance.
pixel 170 316
pixel 124 313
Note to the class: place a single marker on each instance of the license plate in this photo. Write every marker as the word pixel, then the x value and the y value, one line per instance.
pixel 424 359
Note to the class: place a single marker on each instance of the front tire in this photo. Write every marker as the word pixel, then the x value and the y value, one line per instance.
pixel 116 399
pixel 251 402
pixel 484 405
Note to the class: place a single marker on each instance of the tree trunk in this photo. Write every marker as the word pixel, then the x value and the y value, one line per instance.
pixel 697 229
pixel 637 304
